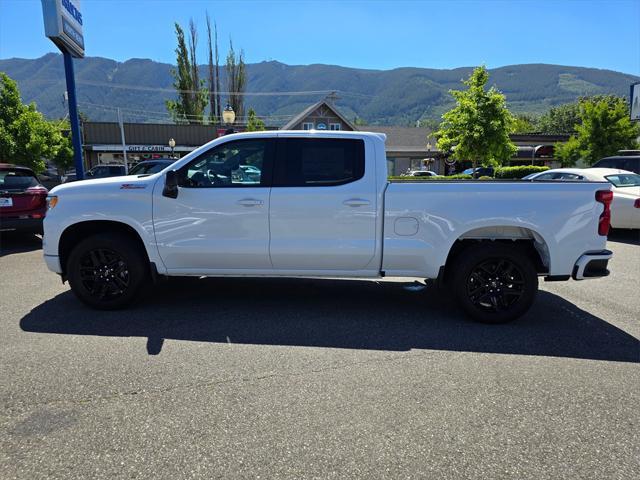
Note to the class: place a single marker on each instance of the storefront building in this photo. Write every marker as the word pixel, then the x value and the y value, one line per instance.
pixel 407 148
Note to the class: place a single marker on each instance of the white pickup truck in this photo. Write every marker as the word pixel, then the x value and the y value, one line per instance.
pixel 319 204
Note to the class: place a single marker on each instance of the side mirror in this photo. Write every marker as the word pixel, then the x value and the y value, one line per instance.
pixel 171 184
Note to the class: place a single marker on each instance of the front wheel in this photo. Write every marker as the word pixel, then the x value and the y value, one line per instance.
pixel 494 283
pixel 107 271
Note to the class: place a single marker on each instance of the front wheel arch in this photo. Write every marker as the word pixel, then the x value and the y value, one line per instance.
pixel 77 232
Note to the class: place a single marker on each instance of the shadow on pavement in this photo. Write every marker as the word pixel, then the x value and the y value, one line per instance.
pixel 335 313
pixel 14 242
pixel 631 237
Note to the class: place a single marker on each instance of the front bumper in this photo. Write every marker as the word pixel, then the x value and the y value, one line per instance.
pixel 592 265
pixel 31 225
pixel 53 263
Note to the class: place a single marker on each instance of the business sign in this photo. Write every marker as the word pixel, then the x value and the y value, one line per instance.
pixel 139 148
pixel 63 25
pixel 635 101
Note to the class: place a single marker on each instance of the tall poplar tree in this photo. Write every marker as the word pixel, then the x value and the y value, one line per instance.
pixel 192 95
pixel 236 80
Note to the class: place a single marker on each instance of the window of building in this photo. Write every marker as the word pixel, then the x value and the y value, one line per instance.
pixel 334 126
pixel 307 126
pixel 319 162
pixel 234 164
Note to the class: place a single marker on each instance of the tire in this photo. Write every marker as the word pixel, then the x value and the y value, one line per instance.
pixel 107 271
pixel 494 282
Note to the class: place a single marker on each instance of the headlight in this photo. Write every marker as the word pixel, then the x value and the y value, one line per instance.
pixel 52 201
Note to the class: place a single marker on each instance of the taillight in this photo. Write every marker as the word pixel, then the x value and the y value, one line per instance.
pixel 636 204
pixel 605 197
pixel 38 196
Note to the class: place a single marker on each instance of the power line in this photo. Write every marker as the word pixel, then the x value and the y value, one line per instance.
pixel 258 94
pixel 167 117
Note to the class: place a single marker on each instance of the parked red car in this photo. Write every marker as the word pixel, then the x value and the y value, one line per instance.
pixel 23 199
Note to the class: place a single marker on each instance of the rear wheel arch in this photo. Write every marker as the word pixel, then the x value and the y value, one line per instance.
pixel 530 242
pixel 77 232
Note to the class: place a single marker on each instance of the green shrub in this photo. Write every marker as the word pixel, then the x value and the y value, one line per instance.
pixel 518 172
pixel 485 177
pixel 459 176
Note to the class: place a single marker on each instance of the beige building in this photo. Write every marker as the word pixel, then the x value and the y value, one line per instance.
pixel 406 147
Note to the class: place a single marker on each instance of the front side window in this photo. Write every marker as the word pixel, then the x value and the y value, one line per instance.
pixel 234 164
pixel 317 162
pixel 568 176
pixel 544 176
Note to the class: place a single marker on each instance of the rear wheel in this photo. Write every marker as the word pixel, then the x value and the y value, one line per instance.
pixel 494 283
pixel 107 271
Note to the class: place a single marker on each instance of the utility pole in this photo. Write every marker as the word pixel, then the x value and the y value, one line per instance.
pixel 124 143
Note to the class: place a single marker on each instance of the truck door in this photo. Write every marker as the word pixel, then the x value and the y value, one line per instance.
pixel 323 205
pixel 220 219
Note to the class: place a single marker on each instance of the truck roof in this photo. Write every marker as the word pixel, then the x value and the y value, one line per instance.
pixel 307 133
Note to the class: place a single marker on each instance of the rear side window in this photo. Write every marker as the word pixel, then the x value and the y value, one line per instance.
pixel 319 162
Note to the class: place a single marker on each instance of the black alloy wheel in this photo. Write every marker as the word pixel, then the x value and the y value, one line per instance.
pixel 495 285
pixel 494 282
pixel 104 273
pixel 107 271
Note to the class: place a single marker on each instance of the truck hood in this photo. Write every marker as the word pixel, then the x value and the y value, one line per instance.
pixel 127 182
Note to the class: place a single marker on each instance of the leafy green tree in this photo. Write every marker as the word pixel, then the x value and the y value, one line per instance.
pixel 192 95
pixel 254 124
pixel 359 121
pixel 63 155
pixel 478 127
pixel 524 123
pixel 26 138
pixel 560 119
pixel 430 123
pixel 604 129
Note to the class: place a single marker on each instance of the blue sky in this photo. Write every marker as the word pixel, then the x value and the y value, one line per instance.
pixel 366 34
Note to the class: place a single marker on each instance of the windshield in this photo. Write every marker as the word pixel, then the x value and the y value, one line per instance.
pixel 148 168
pixel 17 180
pixel 622 180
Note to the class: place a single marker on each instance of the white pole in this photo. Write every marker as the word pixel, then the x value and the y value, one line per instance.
pixel 124 143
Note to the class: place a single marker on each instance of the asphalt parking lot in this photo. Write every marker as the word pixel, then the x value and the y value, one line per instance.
pixel 246 378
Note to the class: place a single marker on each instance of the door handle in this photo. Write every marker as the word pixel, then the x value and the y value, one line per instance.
pixel 356 202
pixel 250 202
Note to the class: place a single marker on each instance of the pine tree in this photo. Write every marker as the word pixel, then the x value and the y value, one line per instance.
pixel 478 127
pixel 254 124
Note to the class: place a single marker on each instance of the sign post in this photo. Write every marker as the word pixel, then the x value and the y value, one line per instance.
pixel 63 26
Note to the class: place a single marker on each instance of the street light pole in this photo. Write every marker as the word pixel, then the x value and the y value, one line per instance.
pixel 172 145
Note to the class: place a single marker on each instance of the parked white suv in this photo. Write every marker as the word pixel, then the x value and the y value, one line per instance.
pixel 321 206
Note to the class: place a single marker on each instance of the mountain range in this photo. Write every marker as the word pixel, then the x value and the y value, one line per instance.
pixel 379 97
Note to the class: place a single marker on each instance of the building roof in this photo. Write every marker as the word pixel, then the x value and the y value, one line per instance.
pixel 307 111
pixel 405 139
